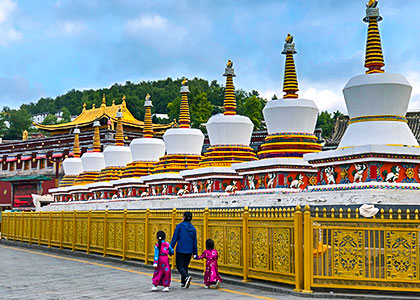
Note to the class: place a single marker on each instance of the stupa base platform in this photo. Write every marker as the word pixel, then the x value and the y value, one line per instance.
pixel 167 184
pixel 79 192
pixel 387 194
pixel 102 190
pixel 370 163
pixel 130 187
pixel 293 173
pixel 60 194
pixel 213 179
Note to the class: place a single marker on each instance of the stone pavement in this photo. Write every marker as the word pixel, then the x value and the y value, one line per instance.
pixel 34 274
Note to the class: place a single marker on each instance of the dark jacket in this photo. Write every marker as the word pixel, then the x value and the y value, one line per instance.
pixel 185 238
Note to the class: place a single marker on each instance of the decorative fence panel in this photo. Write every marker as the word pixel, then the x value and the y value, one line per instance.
pixel 379 253
pixel 318 249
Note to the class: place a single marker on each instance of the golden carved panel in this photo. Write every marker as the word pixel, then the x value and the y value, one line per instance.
pixel 348 253
pixel 259 248
pixel 281 250
pixel 401 255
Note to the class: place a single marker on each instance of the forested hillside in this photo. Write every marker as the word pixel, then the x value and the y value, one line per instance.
pixel 206 99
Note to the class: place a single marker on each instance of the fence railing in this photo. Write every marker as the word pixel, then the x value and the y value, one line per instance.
pixel 322 249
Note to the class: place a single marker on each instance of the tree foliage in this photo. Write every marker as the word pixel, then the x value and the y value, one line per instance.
pixel 326 121
pixel 19 120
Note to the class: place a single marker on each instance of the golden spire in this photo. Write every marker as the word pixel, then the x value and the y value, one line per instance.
pixel 84 107
pixel 119 136
pixel 25 135
pixel 374 59
pixel 103 105
pixel 230 101
pixel 124 104
pixel 290 83
pixel 148 127
pixel 184 112
pixel 93 106
pixel 96 136
pixel 76 145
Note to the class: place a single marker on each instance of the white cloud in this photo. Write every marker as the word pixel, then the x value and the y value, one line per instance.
pixel 8 32
pixel 326 95
pixel 7 7
pixel 155 22
pixel 157 32
pixel 66 28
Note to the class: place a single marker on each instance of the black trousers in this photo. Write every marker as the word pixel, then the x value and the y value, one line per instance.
pixel 182 262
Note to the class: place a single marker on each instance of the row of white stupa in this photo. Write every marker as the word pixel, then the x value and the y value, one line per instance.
pixel 376 103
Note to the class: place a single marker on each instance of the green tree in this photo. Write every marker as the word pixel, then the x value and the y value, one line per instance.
pixel 326 123
pixel 50 119
pixel 19 120
pixel 66 117
pixel 201 109
pixel 252 108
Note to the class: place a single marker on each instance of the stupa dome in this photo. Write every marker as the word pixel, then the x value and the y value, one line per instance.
pixel 147 148
pixel 294 115
pixel 73 165
pixel 118 155
pixel 229 130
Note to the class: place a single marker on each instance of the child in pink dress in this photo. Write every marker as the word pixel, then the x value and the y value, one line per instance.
pixel 162 274
pixel 211 275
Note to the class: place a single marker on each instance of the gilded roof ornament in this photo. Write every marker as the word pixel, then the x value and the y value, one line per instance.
pixel 148 102
pixel 289 39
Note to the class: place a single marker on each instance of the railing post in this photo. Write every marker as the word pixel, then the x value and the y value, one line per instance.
pixel 14 227
pixel 62 230
pixel 146 236
pixel 124 232
pixel 74 231
pixel 30 227
pixel 22 230
pixel 105 231
pixel 173 225
pixel 39 228
pixel 8 226
pixel 245 242
pixel 88 232
pixel 307 249
pixel 50 230
pixel 298 237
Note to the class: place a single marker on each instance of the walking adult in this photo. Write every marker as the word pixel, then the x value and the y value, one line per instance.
pixel 185 239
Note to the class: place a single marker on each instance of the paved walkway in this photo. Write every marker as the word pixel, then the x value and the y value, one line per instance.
pixel 32 274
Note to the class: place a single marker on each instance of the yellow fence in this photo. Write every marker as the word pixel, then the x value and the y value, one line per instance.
pixel 325 249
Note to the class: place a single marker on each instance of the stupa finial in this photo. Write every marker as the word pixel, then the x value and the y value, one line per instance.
pixel 230 100
pixel 96 136
pixel 290 83
pixel 103 101
pixel 119 135
pixel 184 112
pixel 374 60
pixel 148 127
pixel 76 144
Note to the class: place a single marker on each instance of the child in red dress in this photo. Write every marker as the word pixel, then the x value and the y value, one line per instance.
pixel 162 274
pixel 211 275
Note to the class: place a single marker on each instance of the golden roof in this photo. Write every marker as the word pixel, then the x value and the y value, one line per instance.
pixel 88 116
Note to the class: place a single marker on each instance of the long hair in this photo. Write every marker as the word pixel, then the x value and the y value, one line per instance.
pixel 187 216
pixel 160 237
pixel 209 244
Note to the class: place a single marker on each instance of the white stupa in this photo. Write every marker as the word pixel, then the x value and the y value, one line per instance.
pixel 146 152
pixel 73 165
pixel 230 136
pixel 118 156
pixel 183 152
pixel 378 145
pixel 290 124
